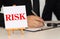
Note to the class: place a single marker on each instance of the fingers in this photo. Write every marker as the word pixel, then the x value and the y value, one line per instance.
pixel 37 24
pixel 39 19
pixel 36 18
pixel 35 21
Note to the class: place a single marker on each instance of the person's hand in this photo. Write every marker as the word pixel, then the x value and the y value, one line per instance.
pixel 34 21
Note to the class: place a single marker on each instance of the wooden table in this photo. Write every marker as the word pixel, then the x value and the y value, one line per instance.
pixel 46 34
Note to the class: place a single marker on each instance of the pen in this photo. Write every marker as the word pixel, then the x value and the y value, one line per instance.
pixel 37 15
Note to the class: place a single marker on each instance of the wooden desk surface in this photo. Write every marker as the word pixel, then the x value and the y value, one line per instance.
pixel 47 34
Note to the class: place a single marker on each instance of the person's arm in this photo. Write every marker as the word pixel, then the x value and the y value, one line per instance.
pixel 33 21
pixel 1 16
pixel 28 7
pixel 0 4
pixel 48 9
pixel 57 9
